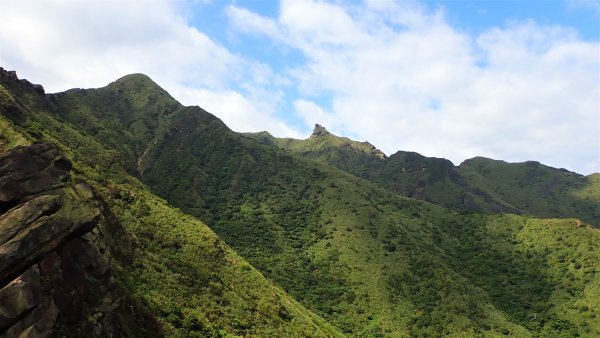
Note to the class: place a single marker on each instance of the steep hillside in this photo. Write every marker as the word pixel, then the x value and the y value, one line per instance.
pixel 187 278
pixel 477 185
pixel 371 262
pixel 406 173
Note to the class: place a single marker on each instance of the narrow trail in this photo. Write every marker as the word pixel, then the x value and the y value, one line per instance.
pixel 139 168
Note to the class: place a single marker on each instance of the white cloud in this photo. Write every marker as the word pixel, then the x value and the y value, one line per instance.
pixel 66 44
pixel 250 22
pixel 311 114
pixel 237 111
pixel 403 78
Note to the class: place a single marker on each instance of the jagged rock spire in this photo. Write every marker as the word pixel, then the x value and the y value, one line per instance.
pixel 319 130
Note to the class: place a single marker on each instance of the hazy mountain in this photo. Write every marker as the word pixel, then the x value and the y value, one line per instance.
pixel 350 250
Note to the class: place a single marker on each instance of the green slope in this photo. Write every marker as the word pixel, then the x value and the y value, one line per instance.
pixel 541 190
pixel 124 115
pixel 360 158
pixel 191 281
pixel 371 262
pixel 406 173
pixel 477 185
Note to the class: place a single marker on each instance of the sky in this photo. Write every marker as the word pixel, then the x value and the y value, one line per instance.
pixel 509 80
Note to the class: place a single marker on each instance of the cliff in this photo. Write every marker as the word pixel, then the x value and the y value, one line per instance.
pixel 56 258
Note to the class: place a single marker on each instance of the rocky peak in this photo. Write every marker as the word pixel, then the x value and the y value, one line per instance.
pixel 11 76
pixel 319 131
pixel 374 151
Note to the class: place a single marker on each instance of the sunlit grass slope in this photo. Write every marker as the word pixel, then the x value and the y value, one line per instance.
pixel 541 190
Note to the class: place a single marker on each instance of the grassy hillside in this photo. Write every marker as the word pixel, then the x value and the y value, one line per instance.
pixel 369 261
pixel 316 232
pixel 541 190
pixel 124 115
pixel 360 158
pixel 194 282
pixel 477 185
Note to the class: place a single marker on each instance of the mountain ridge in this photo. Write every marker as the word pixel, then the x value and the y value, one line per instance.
pixel 463 187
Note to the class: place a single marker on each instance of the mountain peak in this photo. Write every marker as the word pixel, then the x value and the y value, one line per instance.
pixel 319 131
pixel 136 78
pixel 140 88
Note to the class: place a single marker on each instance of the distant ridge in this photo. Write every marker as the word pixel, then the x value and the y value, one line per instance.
pixel 476 185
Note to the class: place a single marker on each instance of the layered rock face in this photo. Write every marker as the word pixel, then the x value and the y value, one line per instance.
pixel 55 262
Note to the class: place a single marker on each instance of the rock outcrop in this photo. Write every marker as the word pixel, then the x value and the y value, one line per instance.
pixel 55 260
pixel 12 75
pixel 319 131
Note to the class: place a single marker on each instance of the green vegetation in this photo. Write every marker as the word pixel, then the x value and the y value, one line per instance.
pixel 9 135
pixel 477 185
pixel 192 281
pixel 357 258
pixel 541 190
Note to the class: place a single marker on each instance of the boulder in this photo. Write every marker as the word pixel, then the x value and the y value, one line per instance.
pixel 26 171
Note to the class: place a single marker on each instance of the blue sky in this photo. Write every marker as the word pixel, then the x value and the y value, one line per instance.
pixel 478 16
pixel 511 80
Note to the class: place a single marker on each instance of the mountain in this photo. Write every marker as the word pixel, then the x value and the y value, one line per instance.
pixel 476 185
pixel 351 256
pixel 173 265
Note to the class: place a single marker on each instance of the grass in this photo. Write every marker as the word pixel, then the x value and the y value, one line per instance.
pixel 9 137
pixel 193 281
